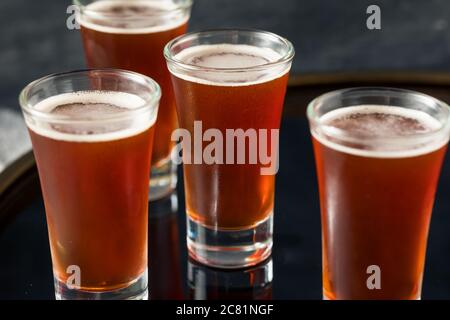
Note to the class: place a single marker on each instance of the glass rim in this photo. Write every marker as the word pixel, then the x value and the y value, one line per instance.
pixel 153 100
pixel 288 56
pixel 127 17
pixel 314 118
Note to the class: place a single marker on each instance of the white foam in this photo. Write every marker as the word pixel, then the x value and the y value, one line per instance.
pixel 115 130
pixel 412 149
pixel 160 21
pixel 229 56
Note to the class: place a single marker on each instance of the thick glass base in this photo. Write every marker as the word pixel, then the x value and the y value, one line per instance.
pixel 230 249
pixel 163 179
pixel 137 290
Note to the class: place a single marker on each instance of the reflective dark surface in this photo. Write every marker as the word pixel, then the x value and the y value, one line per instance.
pixel 328 35
pixel 253 283
pixel 165 277
pixel 166 262
pixel 25 264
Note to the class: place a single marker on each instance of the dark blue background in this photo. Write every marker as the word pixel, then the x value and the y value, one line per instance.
pixel 328 35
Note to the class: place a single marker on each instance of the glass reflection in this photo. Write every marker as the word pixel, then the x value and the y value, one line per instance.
pixel 254 283
pixel 164 250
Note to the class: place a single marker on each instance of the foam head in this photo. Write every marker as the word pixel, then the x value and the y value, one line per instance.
pixel 87 109
pixel 377 128
pixel 132 16
pixel 223 57
pixel 85 116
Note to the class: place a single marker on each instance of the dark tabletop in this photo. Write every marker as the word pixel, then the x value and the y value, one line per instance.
pixel 25 265
pixel 329 36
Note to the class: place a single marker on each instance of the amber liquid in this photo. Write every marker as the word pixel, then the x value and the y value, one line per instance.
pixel 96 205
pixel 375 211
pixel 229 196
pixel 143 53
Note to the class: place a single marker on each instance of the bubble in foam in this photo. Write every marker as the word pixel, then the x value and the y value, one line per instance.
pixel 121 9
pixel 367 122
pixel 84 116
pixel 230 56
pixel 227 59
pixel 87 110
pixel 149 16
pixel 379 124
